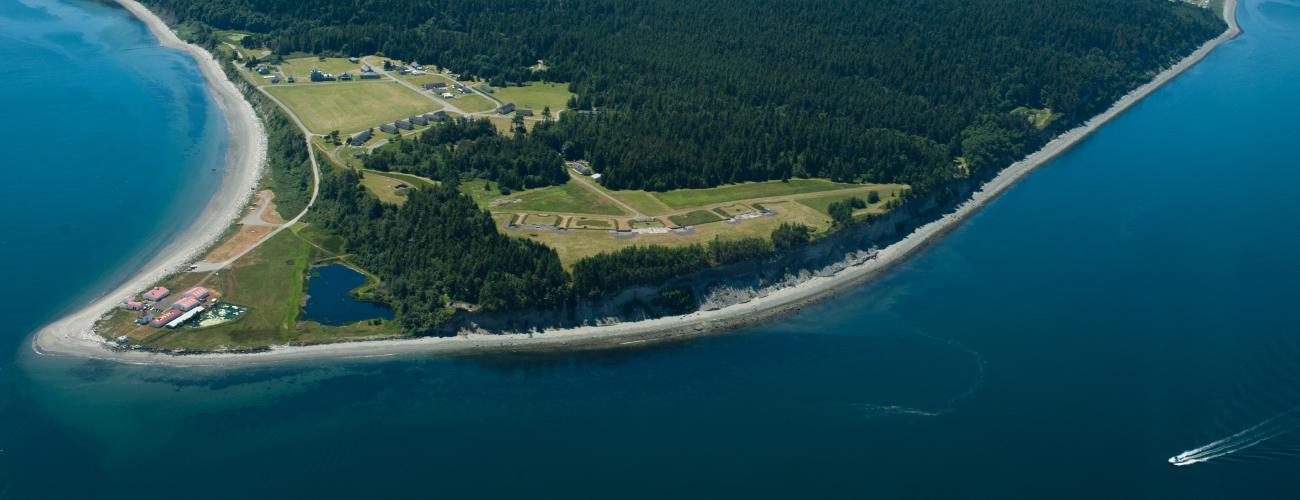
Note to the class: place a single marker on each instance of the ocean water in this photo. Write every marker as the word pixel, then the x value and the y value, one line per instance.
pixel 1133 300
pixel 328 302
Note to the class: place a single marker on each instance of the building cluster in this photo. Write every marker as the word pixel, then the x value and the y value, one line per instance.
pixel 398 125
pixel 156 313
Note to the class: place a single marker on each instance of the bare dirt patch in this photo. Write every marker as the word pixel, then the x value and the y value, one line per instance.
pixel 244 238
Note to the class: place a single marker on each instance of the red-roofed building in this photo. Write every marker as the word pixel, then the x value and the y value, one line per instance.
pixel 186 303
pixel 132 303
pixel 157 294
pixel 198 292
pixel 164 318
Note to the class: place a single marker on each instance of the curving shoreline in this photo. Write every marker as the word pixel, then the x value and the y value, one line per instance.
pixel 71 335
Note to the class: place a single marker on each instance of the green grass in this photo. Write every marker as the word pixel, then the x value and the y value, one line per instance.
pixel 541 220
pixel 270 282
pixel 886 191
pixel 566 198
pixel 350 107
pixel 644 201
pixel 330 242
pixel 687 198
pixel 385 187
pixel 590 223
pixel 301 67
pixel 695 218
pixel 536 96
pixel 411 179
pixel 642 224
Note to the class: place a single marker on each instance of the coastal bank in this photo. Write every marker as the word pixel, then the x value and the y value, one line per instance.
pixel 72 335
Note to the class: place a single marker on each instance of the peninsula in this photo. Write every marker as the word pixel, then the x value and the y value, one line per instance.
pixel 493 208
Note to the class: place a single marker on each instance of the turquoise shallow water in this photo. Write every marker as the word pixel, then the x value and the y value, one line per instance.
pixel 1132 300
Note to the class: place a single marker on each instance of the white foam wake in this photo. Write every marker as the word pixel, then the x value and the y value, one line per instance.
pixel 1273 427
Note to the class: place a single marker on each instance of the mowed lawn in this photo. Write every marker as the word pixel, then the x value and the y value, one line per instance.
pixel 536 96
pixel 301 67
pixel 687 198
pixel 350 106
pixel 385 187
pixel 565 198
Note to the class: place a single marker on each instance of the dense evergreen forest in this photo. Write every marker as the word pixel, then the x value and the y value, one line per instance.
pixel 465 147
pixel 694 94
pixel 436 248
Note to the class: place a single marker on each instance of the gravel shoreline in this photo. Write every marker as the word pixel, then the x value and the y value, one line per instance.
pixel 71 336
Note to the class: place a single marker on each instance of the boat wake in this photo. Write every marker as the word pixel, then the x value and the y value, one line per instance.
pixel 1275 427
pixel 880 410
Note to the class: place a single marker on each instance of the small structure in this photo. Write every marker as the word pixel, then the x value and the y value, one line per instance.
pixel 360 155
pixel 366 68
pixel 416 65
pixel 318 76
pixel 436 116
pixel 447 95
pixel 403 70
pixel 435 86
pixel 506 108
pixel 486 89
pixel 402 124
pixel 347 77
pixel 368 75
pixel 353 60
pixel 419 120
pixel 388 128
pixel 461 88
pixel 164 318
pixel 289 78
pixel 263 70
pixel 400 186
pixel 186 303
pixel 198 292
pixel 157 293
pixel 360 137
pixel 524 112
pixel 581 167
pixel 275 79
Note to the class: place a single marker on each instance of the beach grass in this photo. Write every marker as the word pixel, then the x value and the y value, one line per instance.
pixel 350 106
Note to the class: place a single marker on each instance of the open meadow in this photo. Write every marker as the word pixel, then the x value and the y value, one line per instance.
pixel 350 106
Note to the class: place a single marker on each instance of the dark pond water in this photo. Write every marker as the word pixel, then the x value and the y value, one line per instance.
pixel 329 303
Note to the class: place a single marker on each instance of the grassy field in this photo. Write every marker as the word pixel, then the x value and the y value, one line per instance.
pixel 542 219
pixel 695 218
pixel 473 103
pixel 732 210
pixel 300 68
pixel 385 187
pixel 644 224
pixel 886 192
pixel 686 198
pixel 536 96
pixel 566 198
pixel 350 107
pixel 591 223
pixel 574 245
pixel 644 201
pixel 269 282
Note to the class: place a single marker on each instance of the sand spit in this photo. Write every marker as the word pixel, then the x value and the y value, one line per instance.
pixel 71 335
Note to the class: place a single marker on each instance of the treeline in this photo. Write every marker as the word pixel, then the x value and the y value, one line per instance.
pixel 694 94
pixel 473 148
pixel 438 247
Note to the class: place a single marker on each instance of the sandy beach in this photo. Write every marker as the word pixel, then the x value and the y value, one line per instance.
pixel 71 336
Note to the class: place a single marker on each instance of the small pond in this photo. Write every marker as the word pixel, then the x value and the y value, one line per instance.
pixel 328 302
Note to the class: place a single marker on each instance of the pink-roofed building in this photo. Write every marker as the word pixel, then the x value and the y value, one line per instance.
pixel 164 318
pixel 157 294
pixel 132 303
pixel 198 292
pixel 186 303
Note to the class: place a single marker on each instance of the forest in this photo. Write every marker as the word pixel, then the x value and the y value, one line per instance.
pixel 682 93
pixel 464 147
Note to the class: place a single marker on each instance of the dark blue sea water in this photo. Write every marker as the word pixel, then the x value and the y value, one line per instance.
pixel 328 302
pixel 1130 301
